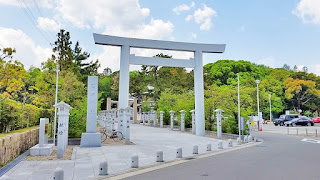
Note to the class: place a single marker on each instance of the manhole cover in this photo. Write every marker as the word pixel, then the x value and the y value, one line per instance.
pixel 190 158
pixel 204 175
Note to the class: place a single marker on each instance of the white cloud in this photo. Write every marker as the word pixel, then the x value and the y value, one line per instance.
pixel 182 7
pixel 268 61
pixel 189 17
pixel 308 11
pixel 28 3
pixel 316 69
pixel 193 35
pixel 126 14
pixel 27 50
pixel 48 24
pixel 203 17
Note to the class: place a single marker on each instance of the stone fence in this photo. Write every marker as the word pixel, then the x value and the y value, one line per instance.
pixel 11 146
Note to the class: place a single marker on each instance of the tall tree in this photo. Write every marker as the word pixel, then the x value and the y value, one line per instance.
pixel 63 49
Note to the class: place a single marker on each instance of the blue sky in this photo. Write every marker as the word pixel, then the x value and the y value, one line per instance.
pixel 269 32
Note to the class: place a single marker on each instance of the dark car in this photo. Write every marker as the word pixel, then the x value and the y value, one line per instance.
pixel 283 118
pixel 302 120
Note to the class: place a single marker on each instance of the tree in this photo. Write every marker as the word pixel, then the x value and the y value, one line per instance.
pixel 63 49
pixel 300 92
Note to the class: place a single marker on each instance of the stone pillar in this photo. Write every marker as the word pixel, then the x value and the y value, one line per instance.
pixel 199 94
pixel 113 118
pixel 124 77
pixel 193 122
pixel 128 114
pixel 108 104
pixel 171 119
pixel 143 118
pixel 91 138
pixel 43 132
pixel 135 111
pixel 121 119
pixel 63 116
pixel 154 118
pixel 182 120
pixel 148 118
pixel 161 119
pixel 109 119
pixel 219 130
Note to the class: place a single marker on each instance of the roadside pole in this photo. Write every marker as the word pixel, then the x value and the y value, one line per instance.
pixel 239 106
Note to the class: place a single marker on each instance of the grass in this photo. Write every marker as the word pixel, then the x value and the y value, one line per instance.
pixel 18 131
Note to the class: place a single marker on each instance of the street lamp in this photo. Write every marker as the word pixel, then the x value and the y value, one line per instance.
pixel 270 107
pixel 239 125
pixel 55 109
pixel 257 82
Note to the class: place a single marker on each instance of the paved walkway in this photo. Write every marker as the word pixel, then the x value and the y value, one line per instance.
pixel 85 161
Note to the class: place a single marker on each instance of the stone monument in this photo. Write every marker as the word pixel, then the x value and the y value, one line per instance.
pixel 91 138
pixel 161 119
pixel 171 119
pixel 193 122
pixel 182 120
pixel 63 127
pixel 43 148
pixel 219 129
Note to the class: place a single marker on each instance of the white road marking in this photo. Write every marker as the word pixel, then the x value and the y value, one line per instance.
pixel 311 140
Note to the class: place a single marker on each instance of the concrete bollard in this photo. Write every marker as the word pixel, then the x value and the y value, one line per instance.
pixel 239 141
pixel 58 174
pixel 179 153
pixel 208 147
pixel 220 144
pixel 135 161
pixel 103 168
pixel 195 149
pixel 250 138
pixel 245 139
pixel 4 177
pixel 229 142
pixel 160 156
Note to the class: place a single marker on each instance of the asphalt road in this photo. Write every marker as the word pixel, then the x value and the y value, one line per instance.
pixel 278 157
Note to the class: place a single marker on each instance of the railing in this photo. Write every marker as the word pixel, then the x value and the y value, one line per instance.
pixel 302 131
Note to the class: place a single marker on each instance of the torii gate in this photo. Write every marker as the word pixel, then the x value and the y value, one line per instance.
pixel 197 63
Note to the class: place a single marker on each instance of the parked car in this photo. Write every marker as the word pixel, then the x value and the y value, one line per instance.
pixel 316 120
pixel 283 118
pixel 302 120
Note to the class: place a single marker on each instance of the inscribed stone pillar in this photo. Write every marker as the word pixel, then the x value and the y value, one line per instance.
pixel 121 119
pixel 91 138
pixel 128 114
pixel 171 119
pixel 42 132
pixel 182 120
pixel 219 129
pixel 148 118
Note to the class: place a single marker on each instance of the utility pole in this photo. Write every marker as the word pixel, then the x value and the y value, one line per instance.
pixel 257 82
pixel 55 109
pixel 239 106
pixel 270 107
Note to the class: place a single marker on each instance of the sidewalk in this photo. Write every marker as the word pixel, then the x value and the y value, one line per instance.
pixel 85 161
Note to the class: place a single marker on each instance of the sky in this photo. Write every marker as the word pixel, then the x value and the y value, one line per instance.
pixel 269 32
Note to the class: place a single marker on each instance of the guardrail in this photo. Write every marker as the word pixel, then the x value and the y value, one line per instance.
pixel 302 131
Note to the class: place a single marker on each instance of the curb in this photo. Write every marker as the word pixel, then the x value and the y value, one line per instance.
pixel 176 162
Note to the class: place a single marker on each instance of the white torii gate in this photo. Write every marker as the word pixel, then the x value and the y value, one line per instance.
pixel 197 63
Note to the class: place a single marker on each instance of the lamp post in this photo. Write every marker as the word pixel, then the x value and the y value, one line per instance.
pixel 257 82
pixel 55 109
pixel 239 106
pixel 270 107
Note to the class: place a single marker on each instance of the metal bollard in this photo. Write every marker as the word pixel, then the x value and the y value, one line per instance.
pixel 297 131
pixel 306 131
pixel 179 153
pixel 239 141
pixel 160 156
pixel 230 143
pixel 220 145
pixel 103 168
pixel 208 147
pixel 58 174
pixel 245 139
pixel 316 132
pixel 135 161
pixel 195 149
pixel 4 177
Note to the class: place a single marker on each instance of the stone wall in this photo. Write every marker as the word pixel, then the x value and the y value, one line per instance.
pixel 11 146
